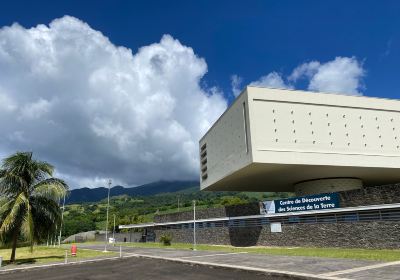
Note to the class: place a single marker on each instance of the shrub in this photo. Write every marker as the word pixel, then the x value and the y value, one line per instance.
pixel 166 239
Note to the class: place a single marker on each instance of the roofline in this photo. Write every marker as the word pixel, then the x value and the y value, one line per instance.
pixel 291 89
pixel 325 92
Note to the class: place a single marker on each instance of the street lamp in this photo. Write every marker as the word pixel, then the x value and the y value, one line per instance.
pixel 114 227
pixel 108 206
pixel 62 219
pixel 194 225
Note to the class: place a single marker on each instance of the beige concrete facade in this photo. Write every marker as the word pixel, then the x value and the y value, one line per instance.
pixel 272 139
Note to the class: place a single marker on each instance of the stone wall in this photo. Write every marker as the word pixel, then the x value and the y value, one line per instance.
pixel 379 234
pixel 350 235
pixel 371 196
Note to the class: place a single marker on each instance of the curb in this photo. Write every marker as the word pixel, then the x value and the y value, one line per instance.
pixel 11 270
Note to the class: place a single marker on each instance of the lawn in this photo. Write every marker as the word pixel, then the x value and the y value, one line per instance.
pixel 358 254
pixel 43 254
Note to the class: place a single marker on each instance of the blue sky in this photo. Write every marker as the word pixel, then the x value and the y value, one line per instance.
pixel 248 38
pixel 100 90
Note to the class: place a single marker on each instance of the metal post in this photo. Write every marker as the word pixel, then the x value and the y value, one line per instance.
pixel 120 251
pixel 114 231
pixel 62 219
pixel 66 256
pixel 108 206
pixel 178 203
pixel 194 225
pixel 114 228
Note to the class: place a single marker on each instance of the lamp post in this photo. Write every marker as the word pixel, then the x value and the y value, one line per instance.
pixel 114 228
pixel 62 219
pixel 108 206
pixel 194 225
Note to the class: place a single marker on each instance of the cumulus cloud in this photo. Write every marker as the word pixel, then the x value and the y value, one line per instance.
pixel 97 110
pixel 272 80
pixel 341 75
pixel 236 82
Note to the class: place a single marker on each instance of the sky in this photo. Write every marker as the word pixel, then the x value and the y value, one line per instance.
pixel 125 89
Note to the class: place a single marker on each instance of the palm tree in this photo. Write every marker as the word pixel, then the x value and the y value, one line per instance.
pixel 29 197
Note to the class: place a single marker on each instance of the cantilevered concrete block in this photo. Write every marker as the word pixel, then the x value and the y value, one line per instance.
pixel 288 140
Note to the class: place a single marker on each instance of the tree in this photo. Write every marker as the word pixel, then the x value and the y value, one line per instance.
pixel 29 200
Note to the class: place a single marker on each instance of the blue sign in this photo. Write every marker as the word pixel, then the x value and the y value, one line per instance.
pixel 302 203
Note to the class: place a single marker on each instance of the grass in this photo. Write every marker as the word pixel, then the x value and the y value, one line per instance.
pixel 42 254
pixel 346 253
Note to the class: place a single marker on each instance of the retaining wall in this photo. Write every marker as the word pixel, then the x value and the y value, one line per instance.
pixel 349 235
pixel 379 234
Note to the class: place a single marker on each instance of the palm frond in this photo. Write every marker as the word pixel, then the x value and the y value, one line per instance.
pixel 46 215
pixel 13 217
pixel 28 226
pixel 52 188
pixel 11 183
pixel 5 203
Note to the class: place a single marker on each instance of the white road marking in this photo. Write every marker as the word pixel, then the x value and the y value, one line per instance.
pixel 357 269
pixel 221 254
pixel 55 264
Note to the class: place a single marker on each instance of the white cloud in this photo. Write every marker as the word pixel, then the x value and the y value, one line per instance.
pixel 35 109
pixel 97 110
pixel 306 69
pixel 341 75
pixel 236 82
pixel 272 80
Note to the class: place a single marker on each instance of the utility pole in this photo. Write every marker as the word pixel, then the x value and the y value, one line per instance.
pixel 194 225
pixel 114 228
pixel 108 206
pixel 62 220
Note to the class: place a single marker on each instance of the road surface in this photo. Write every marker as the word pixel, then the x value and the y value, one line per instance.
pixel 133 268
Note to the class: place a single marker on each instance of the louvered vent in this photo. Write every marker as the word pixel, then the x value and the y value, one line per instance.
pixel 203 160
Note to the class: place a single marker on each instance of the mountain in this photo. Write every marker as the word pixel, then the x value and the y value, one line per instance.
pixel 96 194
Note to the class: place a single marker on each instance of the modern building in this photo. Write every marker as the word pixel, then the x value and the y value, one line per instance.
pixel 340 155
pixel 306 142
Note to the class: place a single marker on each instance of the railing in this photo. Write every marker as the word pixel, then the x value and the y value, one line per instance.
pixel 388 212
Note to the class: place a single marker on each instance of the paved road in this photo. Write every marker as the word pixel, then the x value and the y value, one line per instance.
pixel 148 263
pixel 133 268
pixel 321 267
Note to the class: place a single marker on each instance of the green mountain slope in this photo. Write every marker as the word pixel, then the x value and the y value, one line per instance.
pixel 95 194
pixel 142 208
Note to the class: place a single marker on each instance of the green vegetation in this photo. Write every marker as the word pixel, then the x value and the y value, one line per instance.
pixel 347 253
pixel 47 254
pixel 141 209
pixel 166 239
pixel 29 209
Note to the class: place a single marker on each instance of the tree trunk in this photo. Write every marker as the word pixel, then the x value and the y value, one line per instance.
pixel 14 246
